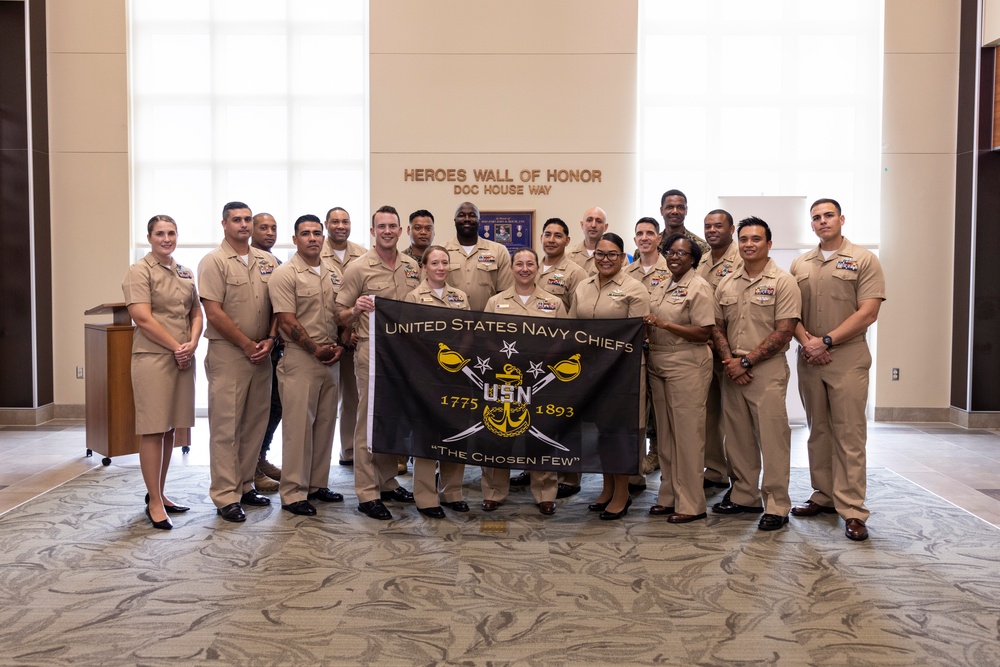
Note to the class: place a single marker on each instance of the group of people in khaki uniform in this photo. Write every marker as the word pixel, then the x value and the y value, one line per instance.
pixel 720 316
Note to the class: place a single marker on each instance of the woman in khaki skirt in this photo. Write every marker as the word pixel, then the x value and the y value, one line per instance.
pixel 163 302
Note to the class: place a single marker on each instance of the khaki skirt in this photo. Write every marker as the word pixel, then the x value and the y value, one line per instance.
pixel 164 394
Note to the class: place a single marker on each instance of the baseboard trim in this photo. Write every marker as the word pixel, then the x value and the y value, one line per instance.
pixel 27 416
pixel 913 415
pixel 36 416
pixel 975 419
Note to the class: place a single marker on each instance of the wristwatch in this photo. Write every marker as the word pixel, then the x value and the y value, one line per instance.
pixel 827 341
pixel 745 362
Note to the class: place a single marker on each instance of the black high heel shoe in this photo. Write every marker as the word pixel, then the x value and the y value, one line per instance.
pixel 598 507
pixel 162 525
pixel 614 516
pixel 171 509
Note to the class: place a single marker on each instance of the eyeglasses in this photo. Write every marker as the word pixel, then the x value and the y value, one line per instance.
pixel 680 254
pixel 613 256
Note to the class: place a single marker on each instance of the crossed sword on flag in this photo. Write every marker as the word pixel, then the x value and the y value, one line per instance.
pixel 564 371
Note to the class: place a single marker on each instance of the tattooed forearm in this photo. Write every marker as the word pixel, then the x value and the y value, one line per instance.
pixel 326 352
pixel 775 341
pixel 719 338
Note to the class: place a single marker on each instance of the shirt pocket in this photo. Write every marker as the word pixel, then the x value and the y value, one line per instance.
pixel 236 288
pixel 845 287
pixel 486 273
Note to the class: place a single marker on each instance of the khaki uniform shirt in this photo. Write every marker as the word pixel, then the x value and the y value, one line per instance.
pixel 831 288
pixel 171 294
pixel 240 288
pixel 539 304
pixel 583 258
pixel 714 272
pixel 658 275
pixel 622 297
pixel 561 280
pixel 369 275
pixel 482 274
pixel 451 297
pixel 689 302
pixel 351 253
pixel 749 307
pixel 295 288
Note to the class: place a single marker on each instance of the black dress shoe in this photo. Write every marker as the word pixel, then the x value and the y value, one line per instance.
pixel 636 488
pixel 457 506
pixel 772 522
pixel 809 508
pixel 856 530
pixel 490 505
pixel 524 479
pixel 399 494
pixel 661 510
pixel 300 507
pixel 345 462
pixel 709 484
pixel 677 517
pixel 729 507
pixel 432 512
pixel 162 525
pixel 232 512
pixel 547 507
pixel 614 516
pixel 171 509
pixel 566 490
pixel 326 495
pixel 374 509
pixel 598 507
pixel 253 498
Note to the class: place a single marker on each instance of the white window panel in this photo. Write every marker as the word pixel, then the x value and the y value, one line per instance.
pixel 252 133
pixel 168 11
pixel 172 132
pixel 749 65
pixel 827 65
pixel 172 64
pixel 675 133
pixel 747 183
pixel 320 131
pixel 332 63
pixel 825 133
pixel 750 134
pixel 681 63
pixel 251 66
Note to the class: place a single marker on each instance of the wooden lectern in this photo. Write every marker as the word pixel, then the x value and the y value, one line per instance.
pixel 110 404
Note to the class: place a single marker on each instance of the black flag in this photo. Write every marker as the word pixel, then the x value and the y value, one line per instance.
pixel 505 391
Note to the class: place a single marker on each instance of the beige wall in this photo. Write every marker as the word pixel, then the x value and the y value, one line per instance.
pixel 991 22
pixel 88 140
pixel 509 86
pixel 920 91
pixel 549 92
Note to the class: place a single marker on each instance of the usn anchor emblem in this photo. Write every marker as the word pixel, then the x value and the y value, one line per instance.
pixel 507 412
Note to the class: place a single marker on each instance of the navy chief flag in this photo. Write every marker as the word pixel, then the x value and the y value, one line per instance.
pixel 505 391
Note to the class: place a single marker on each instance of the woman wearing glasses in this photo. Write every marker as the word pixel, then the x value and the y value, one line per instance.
pixel 682 314
pixel 610 294
pixel 527 300
pixel 163 303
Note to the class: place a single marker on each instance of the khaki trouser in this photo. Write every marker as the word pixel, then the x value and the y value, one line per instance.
pixel 309 418
pixel 679 377
pixel 373 473
pixel 717 468
pixel 348 405
pixel 425 491
pixel 239 400
pixel 834 396
pixel 757 429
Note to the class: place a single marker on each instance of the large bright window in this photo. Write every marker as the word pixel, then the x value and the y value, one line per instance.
pixel 767 98
pixel 261 101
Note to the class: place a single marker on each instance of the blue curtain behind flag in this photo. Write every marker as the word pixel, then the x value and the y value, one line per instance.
pixel 506 391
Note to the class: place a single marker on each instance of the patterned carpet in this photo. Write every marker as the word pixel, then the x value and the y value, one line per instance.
pixel 84 580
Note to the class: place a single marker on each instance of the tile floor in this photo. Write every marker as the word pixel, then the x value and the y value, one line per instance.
pixel 959 465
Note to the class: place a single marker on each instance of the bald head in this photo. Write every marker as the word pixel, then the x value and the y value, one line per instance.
pixel 593 224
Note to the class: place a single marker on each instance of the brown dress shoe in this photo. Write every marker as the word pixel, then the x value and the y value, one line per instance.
pixel 547 507
pixel 490 505
pixel 677 517
pixel 856 530
pixel 660 510
pixel 809 508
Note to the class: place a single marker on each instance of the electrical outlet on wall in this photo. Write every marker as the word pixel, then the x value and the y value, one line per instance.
pixel 79 372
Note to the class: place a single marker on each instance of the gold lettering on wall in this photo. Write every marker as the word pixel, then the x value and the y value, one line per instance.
pixel 502 181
